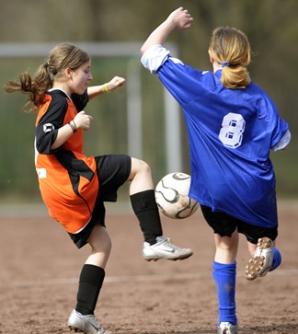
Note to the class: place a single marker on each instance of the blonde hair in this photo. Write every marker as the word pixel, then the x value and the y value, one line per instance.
pixel 230 48
pixel 62 56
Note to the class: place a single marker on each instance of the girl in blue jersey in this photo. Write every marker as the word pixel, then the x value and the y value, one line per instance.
pixel 232 126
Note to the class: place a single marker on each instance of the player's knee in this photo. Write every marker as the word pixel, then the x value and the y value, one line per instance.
pixel 103 248
pixel 140 166
pixel 101 243
pixel 226 247
pixel 145 168
pixel 226 243
pixel 107 244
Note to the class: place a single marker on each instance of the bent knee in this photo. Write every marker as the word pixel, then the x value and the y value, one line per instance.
pixel 139 166
pixel 226 243
pixel 101 241
pixel 105 246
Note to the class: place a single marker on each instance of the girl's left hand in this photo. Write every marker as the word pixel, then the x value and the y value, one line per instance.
pixel 115 83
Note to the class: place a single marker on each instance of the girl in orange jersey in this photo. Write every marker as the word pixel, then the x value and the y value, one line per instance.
pixel 73 186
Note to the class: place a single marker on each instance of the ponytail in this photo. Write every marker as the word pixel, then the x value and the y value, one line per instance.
pixel 235 77
pixel 34 87
pixel 231 49
pixel 62 56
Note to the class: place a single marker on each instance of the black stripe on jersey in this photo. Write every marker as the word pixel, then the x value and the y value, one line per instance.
pixel 80 101
pixel 47 128
pixel 75 168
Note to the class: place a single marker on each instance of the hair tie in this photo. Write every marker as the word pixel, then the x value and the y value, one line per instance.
pixel 50 68
pixel 224 63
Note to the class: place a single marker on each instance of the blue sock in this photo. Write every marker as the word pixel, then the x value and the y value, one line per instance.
pixel 276 258
pixel 224 276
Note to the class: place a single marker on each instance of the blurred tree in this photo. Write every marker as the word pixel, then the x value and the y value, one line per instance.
pixel 271 26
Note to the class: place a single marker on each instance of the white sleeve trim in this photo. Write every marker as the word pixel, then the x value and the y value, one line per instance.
pixel 285 139
pixel 154 57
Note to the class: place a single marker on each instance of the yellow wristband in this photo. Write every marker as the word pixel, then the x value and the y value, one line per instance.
pixel 105 88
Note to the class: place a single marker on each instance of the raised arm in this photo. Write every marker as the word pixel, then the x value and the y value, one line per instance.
pixel 178 19
pixel 113 84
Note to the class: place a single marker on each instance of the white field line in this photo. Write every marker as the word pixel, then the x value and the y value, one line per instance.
pixel 137 278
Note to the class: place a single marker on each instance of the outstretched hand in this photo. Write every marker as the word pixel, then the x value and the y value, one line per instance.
pixel 180 18
pixel 116 82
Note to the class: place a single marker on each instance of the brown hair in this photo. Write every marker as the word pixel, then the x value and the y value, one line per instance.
pixel 62 56
pixel 230 48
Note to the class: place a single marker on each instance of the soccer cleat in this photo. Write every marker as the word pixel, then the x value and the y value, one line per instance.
pixel 261 262
pixel 85 323
pixel 164 249
pixel 227 328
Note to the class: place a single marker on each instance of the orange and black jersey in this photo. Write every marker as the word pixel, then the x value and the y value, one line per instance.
pixel 68 179
pixel 52 118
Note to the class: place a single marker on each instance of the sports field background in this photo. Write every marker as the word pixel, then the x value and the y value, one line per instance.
pixel 40 265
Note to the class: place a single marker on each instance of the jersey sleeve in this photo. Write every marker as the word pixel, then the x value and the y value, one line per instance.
pixel 182 81
pixel 154 57
pixel 80 101
pixel 284 142
pixel 49 124
pixel 278 127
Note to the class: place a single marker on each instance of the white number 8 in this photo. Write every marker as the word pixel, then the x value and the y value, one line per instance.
pixel 232 129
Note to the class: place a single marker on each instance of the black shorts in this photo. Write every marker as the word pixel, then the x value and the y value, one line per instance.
pixel 224 225
pixel 112 171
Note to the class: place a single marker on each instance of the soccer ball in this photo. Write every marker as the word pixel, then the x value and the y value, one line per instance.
pixel 171 194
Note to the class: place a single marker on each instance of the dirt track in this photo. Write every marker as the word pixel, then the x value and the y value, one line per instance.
pixel 40 266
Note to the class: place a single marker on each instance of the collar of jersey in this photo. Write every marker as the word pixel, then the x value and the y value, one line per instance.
pixel 61 90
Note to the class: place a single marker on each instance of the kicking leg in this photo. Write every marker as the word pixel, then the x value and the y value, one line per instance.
pixel 144 206
pixel 265 257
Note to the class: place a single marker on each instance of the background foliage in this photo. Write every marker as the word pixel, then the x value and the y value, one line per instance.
pixel 271 26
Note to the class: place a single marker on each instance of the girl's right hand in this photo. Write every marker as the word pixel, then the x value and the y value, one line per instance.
pixel 82 120
pixel 180 18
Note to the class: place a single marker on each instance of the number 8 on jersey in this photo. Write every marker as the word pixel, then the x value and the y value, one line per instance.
pixel 232 129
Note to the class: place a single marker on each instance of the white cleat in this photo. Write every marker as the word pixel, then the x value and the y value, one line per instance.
pixel 85 323
pixel 164 249
pixel 227 328
pixel 261 262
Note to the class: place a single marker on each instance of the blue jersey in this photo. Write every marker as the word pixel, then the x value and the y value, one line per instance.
pixel 231 132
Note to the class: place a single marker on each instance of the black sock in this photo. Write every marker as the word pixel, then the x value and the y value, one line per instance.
pixel 90 283
pixel 145 208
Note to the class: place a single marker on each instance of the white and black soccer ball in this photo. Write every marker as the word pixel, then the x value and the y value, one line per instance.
pixel 171 194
